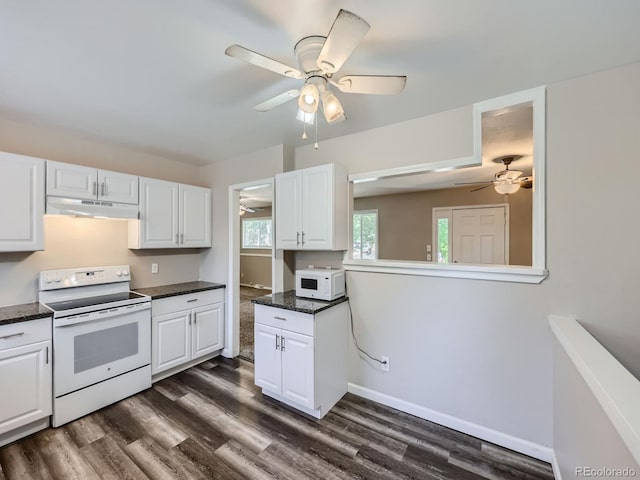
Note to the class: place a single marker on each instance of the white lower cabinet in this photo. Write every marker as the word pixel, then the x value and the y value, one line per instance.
pixel 186 328
pixel 25 366
pixel 300 359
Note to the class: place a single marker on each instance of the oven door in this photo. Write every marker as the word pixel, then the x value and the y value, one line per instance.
pixel 93 347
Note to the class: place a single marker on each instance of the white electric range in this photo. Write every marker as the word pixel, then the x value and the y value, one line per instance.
pixel 101 338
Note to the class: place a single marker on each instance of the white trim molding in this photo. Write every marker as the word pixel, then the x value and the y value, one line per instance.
pixel 484 433
pixel 520 445
pixel 615 388
pixel 502 273
pixel 537 272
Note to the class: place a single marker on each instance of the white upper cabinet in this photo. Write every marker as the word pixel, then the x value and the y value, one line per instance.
pixel 75 181
pixel 312 209
pixel 195 216
pixel 117 187
pixel 171 216
pixel 22 197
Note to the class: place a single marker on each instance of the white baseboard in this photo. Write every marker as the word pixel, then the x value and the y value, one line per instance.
pixel 499 438
pixel 556 467
pixel 253 285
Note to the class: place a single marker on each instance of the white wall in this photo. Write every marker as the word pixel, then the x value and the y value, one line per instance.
pixel 73 242
pixel 219 176
pixel 479 350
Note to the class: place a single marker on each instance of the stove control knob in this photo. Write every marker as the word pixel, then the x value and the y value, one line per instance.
pixel 125 273
pixel 47 278
pixel 119 273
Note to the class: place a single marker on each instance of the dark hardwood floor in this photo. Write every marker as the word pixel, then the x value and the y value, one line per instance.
pixel 211 422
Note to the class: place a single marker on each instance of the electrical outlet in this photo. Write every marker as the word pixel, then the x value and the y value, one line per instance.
pixel 385 364
pixel 428 257
pixel 154 268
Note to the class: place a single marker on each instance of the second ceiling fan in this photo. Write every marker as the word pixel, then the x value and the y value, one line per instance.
pixel 319 58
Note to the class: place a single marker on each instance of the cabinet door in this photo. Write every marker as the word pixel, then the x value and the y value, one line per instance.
pixel 67 180
pixel 158 214
pixel 117 187
pixel 195 216
pixel 297 368
pixel 22 200
pixel 268 368
pixel 170 340
pixel 207 329
pixel 288 211
pixel 318 208
pixel 25 373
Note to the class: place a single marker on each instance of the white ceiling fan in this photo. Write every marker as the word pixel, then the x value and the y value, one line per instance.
pixel 319 58
pixel 506 181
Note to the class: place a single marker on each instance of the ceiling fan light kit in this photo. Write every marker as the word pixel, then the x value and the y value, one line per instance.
pixel 506 182
pixel 319 58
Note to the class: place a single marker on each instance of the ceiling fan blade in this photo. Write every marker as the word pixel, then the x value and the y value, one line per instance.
pixel 277 100
pixel 259 60
pixel 481 188
pixel 346 33
pixel 471 183
pixel 371 84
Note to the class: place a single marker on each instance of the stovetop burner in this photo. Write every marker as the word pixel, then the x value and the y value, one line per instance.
pixel 96 301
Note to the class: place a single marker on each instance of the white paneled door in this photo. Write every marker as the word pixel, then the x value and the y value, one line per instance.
pixel 117 187
pixel 171 340
pixel 195 216
pixel 479 235
pixel 288 206
pixel 208 329
pixel 158 214
pixel 75 181
pixel 317 202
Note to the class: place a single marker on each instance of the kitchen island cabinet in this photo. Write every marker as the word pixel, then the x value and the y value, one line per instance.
pixel 301 351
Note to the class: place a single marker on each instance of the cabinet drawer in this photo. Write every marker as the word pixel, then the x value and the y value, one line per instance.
pixel 24 333
pixel 183 302
pixel 285 319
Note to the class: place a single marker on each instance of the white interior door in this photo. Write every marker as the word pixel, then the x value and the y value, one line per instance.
pixel 480 235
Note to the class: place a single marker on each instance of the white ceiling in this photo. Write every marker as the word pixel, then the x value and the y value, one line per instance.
pixel 152 74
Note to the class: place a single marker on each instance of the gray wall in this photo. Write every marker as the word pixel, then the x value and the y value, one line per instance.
pixel 480 350
pixel 255 270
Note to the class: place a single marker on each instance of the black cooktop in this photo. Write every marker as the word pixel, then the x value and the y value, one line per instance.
pixel 92 301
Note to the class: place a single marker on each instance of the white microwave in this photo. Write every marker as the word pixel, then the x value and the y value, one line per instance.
pixel 322 284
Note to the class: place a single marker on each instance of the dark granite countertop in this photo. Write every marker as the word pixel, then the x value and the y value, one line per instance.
pixel 289 301
pixel 175 289
pixel 23 313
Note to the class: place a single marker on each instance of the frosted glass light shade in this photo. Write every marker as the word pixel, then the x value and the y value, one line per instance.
pixel 308 99
pixel 331 107
pixel 305 117
pixel 507 188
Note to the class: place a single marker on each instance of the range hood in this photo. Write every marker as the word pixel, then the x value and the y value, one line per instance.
pixel 90 208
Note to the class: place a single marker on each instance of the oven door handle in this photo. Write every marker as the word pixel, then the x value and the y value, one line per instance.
pixel 99 315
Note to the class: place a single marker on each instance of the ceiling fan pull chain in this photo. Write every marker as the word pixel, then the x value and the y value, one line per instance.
pixel 316 144
pixel 304 130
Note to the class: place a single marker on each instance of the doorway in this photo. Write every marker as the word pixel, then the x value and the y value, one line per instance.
pixel 252 261
pixel 472 234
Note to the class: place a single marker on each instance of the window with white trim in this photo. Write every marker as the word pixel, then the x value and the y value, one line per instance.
pixel 365 234
pixel 257 233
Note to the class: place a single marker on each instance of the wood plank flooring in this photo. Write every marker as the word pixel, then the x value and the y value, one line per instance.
pixel 212 422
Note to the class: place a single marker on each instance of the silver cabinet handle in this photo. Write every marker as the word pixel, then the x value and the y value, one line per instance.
pixel 279 318
pixel 102 189
pixel 6 337
pixel 47 356
pixel 95 187
pixel 282 343
pixel 303 239
pixel 192 300
pixel 195 320
pixel 297 238
pixel 189 319
pixel 277 342
pixel 182 238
